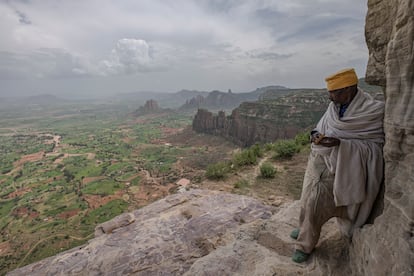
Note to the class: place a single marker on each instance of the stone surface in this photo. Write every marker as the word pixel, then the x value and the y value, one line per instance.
pixel 387 246
pixel 199 232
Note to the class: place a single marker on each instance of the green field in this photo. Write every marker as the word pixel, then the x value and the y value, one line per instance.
pixel 66 168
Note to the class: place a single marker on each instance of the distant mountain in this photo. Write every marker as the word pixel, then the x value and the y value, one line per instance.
pixel 150 107
pixel 190 93
pixel 376 91
pixel 42 99
pixel 217 100
pixel 167 100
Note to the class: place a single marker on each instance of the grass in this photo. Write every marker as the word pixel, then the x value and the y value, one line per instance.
pixel 105 212
pixel 241 184
pixel 103 187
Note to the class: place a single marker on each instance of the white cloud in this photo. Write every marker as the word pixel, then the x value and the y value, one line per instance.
pixel 43 63
pixel 129 56
pixel 249 43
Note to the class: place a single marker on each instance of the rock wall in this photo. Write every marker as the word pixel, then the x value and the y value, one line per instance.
pixel 387 246
pixel 266 120
pixel 240 129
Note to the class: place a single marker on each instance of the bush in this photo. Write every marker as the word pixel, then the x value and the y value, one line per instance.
pixel 242 183
pixel 268 147
pixel 286 149
pixel 256 150
pixel 217 171
pixel 267 170
pixel 244 158
pixel 302 139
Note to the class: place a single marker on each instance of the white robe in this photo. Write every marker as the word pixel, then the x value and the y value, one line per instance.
pixel 357 162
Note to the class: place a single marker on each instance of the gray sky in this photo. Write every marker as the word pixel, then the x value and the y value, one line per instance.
pixel 100 47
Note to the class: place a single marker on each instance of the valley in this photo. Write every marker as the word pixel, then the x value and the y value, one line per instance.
pixel 67 166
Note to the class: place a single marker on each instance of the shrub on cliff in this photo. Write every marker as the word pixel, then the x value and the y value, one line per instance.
pixel 267 170
pixel 285 149
pixel 302 139
pixel 217 171
pixel 242 183
pixel 257 150
pixel 245 158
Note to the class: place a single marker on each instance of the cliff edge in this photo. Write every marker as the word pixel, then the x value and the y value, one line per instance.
pixel 198 232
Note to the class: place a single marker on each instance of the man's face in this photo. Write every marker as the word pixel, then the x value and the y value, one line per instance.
pixel 341 96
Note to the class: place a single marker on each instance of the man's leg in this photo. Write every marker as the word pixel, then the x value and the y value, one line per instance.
pixel 318 205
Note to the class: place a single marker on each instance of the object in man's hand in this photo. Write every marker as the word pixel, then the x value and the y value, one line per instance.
pixel 318 138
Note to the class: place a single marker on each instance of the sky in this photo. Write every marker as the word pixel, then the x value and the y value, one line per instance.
pixel 92 48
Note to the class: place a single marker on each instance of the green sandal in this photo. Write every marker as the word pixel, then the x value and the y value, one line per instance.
pixel 294 234
pixel 300 256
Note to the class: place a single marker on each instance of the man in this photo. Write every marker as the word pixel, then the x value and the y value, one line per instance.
pixel 345 166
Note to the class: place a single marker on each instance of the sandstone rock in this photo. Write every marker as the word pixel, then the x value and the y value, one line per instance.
pixel 165 238
pixel 118 222
pixel 387 246
pixel 199 232
pixel 266 120
pixel 150 107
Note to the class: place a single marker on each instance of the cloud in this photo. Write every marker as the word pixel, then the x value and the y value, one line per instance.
pixel 23 18
pixel 268 55
pixel 130 56
pixel 43 63
pixel 230 43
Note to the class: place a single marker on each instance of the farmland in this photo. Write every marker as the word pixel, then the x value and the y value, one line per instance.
pixel 67 167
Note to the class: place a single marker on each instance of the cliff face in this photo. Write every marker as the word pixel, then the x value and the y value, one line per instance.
pixel 274 117
pixel 387 246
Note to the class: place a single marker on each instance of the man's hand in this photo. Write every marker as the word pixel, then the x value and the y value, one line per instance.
pixel 329 142
pixel 316 137
pixel 319 139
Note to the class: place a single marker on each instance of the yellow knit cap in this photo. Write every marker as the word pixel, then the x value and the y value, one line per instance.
pixel 341 79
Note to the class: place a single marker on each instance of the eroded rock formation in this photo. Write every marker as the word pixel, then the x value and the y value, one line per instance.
pixel 265 121
pixel 150 107
pixel 217 100
pixel 387 246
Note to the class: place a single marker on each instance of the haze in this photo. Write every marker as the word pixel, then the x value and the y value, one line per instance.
pixel 97 48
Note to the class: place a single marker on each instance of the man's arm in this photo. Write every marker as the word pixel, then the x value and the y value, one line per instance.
pixel 329 142
pixel 319 139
